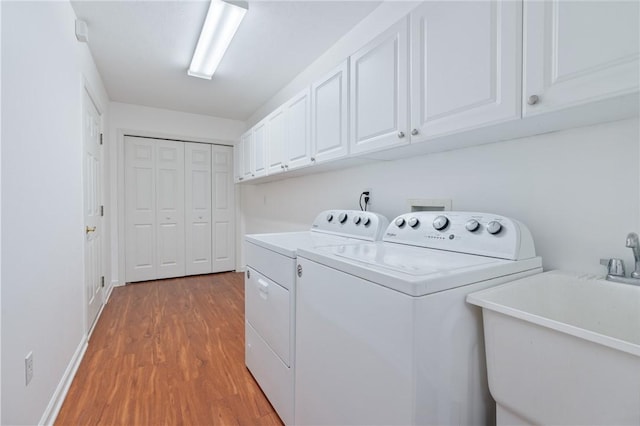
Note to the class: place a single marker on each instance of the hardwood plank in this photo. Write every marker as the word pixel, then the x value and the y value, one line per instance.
pixel 169 352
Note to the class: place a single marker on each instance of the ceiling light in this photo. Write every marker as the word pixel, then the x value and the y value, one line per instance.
pixel 221 24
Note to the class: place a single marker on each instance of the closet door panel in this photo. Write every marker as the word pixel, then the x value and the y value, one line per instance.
pixel 223 204
pixel 170 209
pixel 198 208
pixel 140 218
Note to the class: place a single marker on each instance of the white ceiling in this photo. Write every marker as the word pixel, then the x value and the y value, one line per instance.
pixel 143 48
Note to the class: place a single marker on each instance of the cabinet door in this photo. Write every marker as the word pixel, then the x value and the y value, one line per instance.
pixel 170 209
pixel 277 141
pixel 258 149
pixel 578 51
pixel 329 115
pixel 246 141
pixel 378 88
pixel 197 208
pixel 237 161
pixel 223 202
pixel 466 69
pixel 298 111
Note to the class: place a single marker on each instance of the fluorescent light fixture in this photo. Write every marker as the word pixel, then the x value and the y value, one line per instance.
pixel 221 24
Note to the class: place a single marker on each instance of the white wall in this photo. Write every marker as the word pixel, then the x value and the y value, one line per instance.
pixel 43 70
pixel 145 121
pixel 577 190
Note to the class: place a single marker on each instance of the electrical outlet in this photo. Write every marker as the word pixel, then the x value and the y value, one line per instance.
pixel 370 198
pixel 28 368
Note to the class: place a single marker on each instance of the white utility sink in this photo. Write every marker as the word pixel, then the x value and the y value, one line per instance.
pixel 563 349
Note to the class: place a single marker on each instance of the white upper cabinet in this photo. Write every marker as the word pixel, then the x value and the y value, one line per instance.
pixel 276 131
pixel 577 52
pixel 465 65
pixel 378 91
pixel 298 127
pixel 246 159
pixel 329 115
pixel 259 144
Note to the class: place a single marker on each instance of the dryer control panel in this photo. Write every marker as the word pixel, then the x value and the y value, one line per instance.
pixel 483 234
pixel 351 223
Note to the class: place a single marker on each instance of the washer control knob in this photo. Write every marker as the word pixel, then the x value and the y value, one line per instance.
pixel 342 218
pixel 357 220
pixel 329 217
pixel 413 222
pixel 472 225
pixel 440 223
pixel 494 227
pixel 400 222
pixel 366 221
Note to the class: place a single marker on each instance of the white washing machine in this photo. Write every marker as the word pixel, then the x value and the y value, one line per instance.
pixel 270 295
pixel 383 333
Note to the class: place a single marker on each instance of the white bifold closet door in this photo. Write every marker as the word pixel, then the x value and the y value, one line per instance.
pixel 223 197
pixel 198 208
pixel 179 209
pixel 154 209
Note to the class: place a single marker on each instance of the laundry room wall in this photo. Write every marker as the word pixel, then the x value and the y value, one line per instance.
pixel 577 190
pixel 161 123
pixel 44 69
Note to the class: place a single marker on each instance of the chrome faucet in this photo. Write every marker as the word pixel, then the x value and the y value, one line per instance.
pixel 634 244
pixel 615 267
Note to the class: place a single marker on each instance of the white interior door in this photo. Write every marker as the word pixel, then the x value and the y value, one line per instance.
pixel 92 210
pixel 140 209
pixel 223 203
pixel 198 208
pixel 170 209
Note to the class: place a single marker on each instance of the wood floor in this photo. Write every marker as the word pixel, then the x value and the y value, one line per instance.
pixel 169 352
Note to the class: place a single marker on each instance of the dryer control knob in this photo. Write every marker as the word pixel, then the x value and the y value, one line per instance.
pixel 342 218
pixel 400 222
pixel 413 222
pixel 494 227
pixel 357 220
pixel 472 225
pixel 440 223
pixel 329 217
pixel 366 221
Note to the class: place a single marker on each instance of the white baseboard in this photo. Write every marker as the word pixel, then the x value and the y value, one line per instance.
pixel 51 413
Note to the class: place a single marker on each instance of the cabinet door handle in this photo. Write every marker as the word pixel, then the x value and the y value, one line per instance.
pixel 414 132
pixel 263 287
pixel 533 99
pixel 401 134
pixel 92 229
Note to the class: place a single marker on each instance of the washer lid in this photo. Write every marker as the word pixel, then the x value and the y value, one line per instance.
pixel 287 243
pixel 415 271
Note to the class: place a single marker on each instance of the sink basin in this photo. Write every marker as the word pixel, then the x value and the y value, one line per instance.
pixel 563 349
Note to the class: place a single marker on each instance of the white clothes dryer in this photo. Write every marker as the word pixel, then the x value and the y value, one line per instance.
pixel 270 295
pixel 383 333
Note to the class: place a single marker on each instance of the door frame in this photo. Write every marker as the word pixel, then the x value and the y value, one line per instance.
pixel 118 220
pixel 106 291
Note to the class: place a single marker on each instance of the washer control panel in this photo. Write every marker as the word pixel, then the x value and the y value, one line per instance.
pixel 351 223
pixel 465 232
